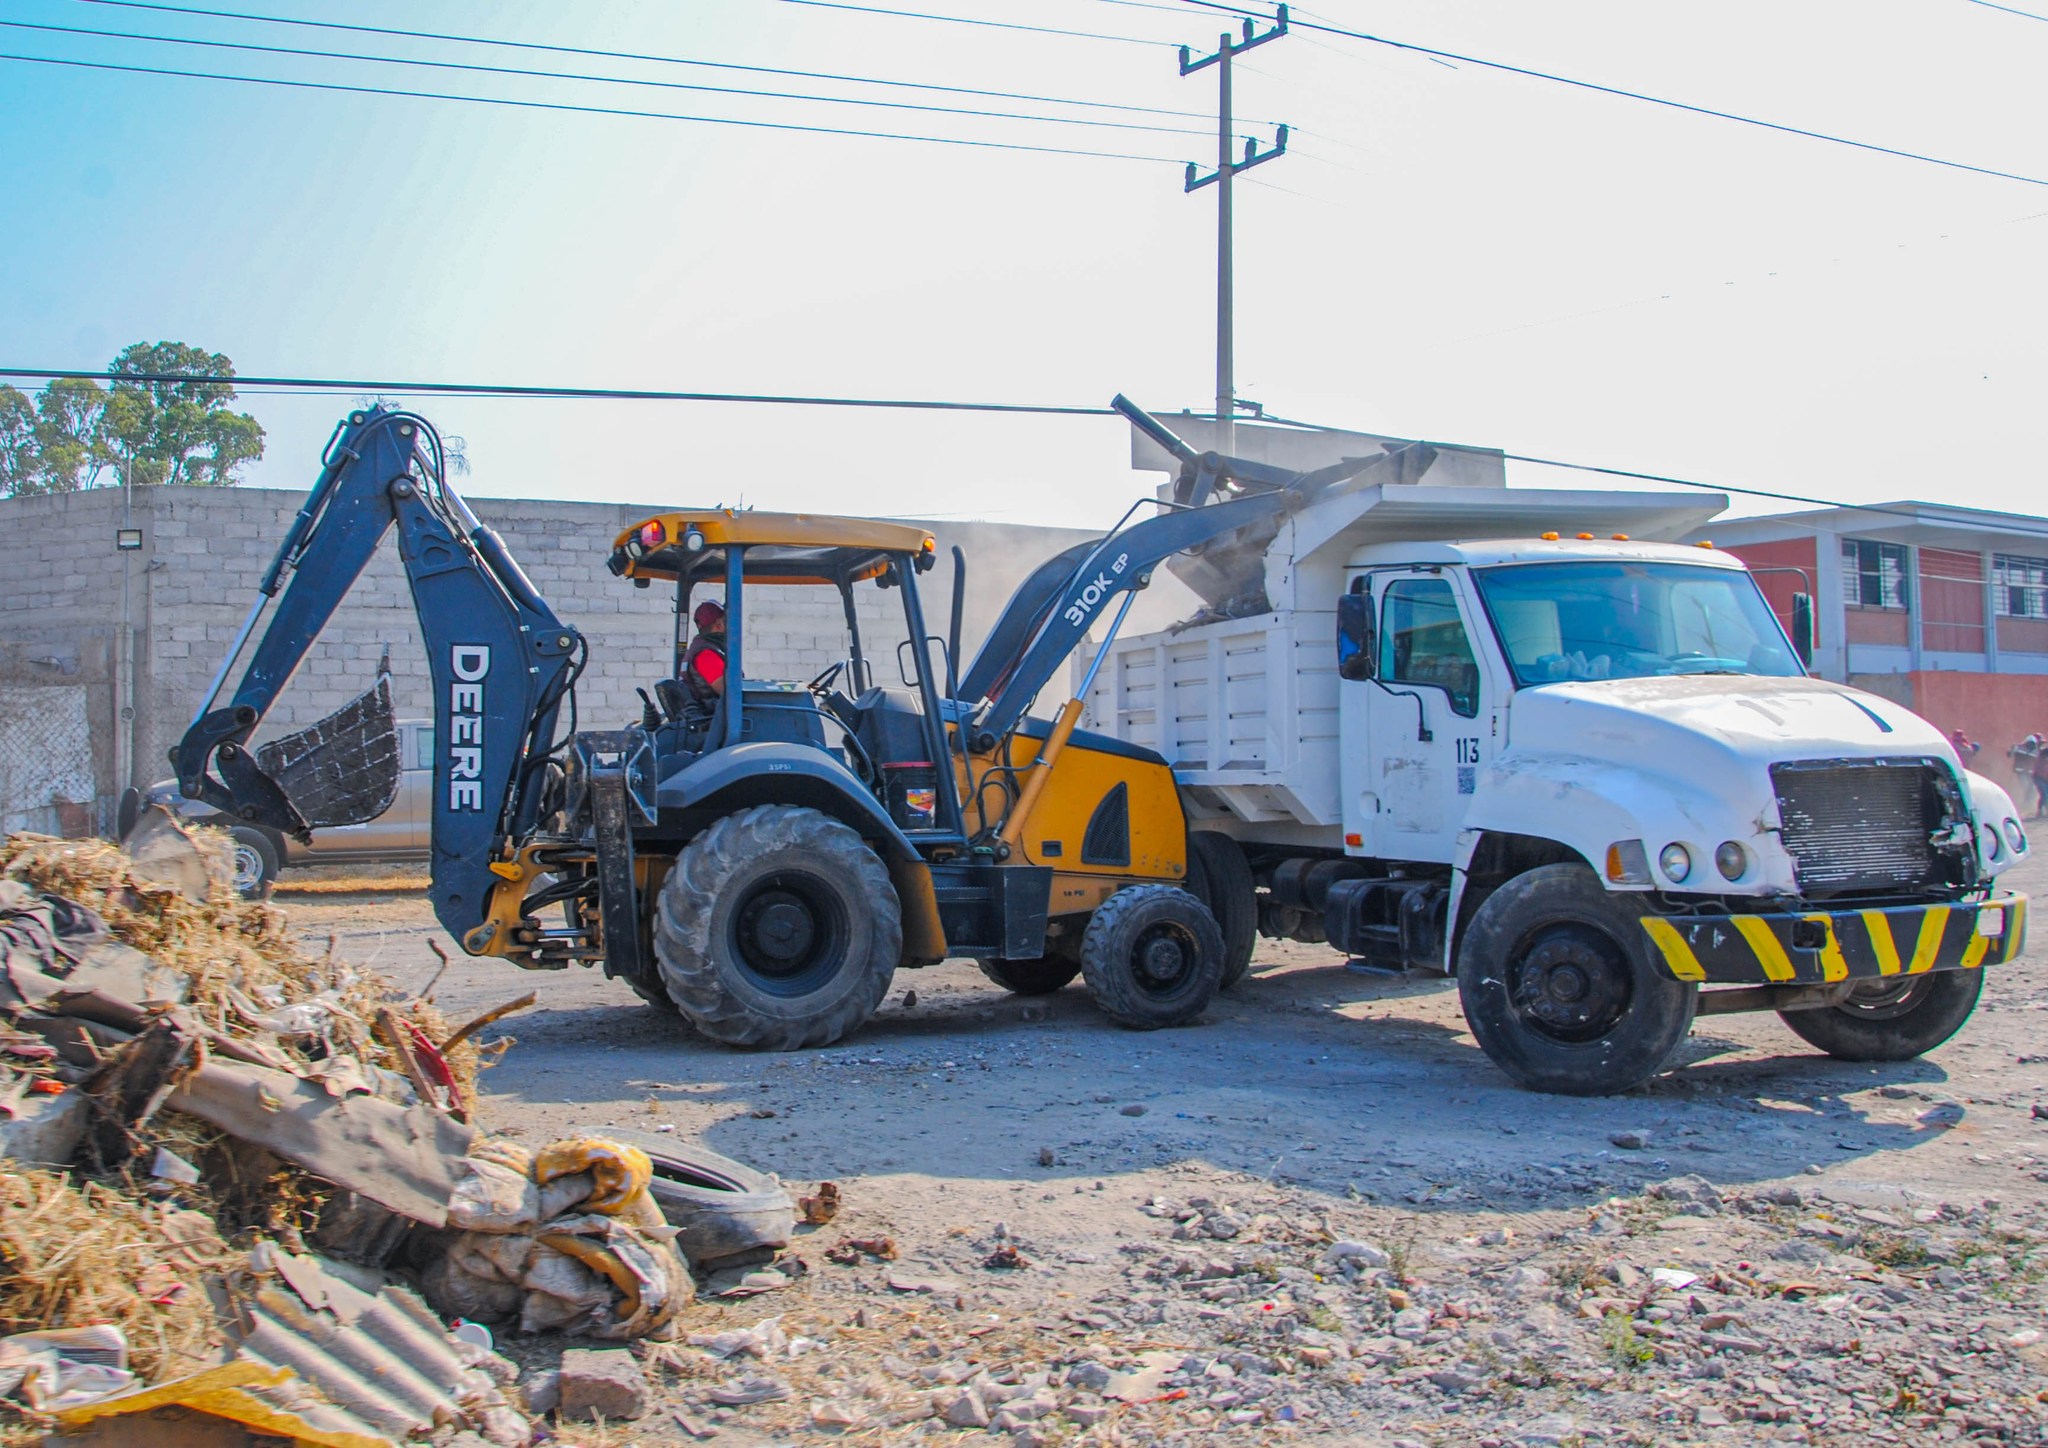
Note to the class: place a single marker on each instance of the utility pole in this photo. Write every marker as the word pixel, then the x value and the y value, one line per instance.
pixel 1227 166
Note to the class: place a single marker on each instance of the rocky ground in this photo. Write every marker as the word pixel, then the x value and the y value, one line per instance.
pixel 1320 1214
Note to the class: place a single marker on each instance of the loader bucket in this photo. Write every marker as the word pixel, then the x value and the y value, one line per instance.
pixel 342 770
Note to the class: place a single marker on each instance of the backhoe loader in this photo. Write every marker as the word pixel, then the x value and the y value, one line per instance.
pixel 763 859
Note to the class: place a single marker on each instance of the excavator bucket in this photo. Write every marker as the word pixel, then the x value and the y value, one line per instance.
pixel 342 770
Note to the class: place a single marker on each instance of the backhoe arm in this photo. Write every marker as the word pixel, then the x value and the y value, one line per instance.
pixel 501 663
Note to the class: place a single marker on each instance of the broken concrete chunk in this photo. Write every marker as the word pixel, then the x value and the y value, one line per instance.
pixel 605 1382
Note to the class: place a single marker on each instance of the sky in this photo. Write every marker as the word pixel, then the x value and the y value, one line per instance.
pixel 1445 251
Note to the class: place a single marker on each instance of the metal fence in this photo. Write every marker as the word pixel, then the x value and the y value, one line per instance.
pixel 46 776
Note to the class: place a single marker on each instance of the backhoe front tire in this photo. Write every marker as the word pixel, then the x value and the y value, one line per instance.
pixel 1152 957
pixel 777 929
pixel 1894 1018
pixel 1558 984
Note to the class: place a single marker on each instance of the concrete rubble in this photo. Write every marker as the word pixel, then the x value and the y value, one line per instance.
pixel 312 1228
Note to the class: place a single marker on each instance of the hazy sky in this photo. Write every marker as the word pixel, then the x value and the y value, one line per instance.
pixel 1448 252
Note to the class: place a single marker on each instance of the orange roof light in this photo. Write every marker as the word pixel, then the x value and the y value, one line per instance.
pixel 652 534
pixel 1621 537
pixel 1704 543
pixel 1550 537
pixel 1587 536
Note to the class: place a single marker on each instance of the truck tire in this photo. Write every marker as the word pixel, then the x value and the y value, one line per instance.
pixel 718 1206
pixel 1221 878
pixel 777 929
pixel 1153 957
pixel 1557 983
pixel 253 860
pixel 1891 1019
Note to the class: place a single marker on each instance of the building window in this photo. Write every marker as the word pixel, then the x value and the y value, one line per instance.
pixel 1873 574
pixel 2019 586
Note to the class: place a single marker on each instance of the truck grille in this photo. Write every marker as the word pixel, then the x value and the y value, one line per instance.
pixel 1865 826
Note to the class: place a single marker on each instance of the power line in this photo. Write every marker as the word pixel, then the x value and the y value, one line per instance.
pixel 612 394
pixel 598 79
pixel 637 56
pixel 2023 14
pixel 641 394
pixel 970 20
pixel 586 110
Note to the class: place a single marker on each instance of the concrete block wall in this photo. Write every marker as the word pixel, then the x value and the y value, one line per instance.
pixel 205 549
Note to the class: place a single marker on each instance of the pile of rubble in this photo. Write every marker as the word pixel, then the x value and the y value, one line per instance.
pixel 247 1182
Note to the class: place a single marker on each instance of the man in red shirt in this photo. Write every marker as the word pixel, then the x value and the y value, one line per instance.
pixel 704 662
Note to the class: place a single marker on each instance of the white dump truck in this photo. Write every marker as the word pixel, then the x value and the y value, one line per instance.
pixel 1446 725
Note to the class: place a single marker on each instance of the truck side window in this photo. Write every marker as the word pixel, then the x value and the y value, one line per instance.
pixel 1423 641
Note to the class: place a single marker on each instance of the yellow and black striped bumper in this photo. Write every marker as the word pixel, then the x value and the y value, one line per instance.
pixel 1815 947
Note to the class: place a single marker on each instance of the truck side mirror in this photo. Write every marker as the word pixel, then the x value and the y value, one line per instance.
pixel 1356 642
pixel 1802 628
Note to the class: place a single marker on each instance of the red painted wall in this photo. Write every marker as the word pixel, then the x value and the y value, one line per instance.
pixel 1996 710
pixel 1952 600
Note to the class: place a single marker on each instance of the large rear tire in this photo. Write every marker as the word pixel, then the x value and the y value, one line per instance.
pixel 1221 878
pixel 1891 1019
pixel 777 929
pixel 1557 983
pixel 1153 957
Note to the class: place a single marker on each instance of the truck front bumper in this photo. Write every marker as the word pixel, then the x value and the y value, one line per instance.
pixel 1817 947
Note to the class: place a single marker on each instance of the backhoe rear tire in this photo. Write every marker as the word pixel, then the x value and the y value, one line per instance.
pixel 777 929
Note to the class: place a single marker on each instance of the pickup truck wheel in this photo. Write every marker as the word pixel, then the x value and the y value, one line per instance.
pixel 252 861
pixel 1153 957
pixel 1557 983
pixel 778 929
pixel 1892 1019
pixel 1221 878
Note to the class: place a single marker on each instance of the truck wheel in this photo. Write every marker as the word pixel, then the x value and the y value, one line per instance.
pixel 1891 1019
pixel 1042 976
pixel 253 862
pixel 1153 956
pixel 1222 879
pixel 1557 984
pixel 777 928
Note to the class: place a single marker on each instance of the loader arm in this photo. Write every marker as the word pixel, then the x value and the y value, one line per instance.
pixel 1045 619
pixel 501 663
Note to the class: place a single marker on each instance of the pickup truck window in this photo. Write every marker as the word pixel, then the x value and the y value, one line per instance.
pixel 1630 620
pixel 1423 641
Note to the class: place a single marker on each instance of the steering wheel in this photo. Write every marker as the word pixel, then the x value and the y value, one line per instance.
pixel 827 678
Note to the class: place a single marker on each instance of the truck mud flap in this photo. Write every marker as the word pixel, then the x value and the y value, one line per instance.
pixel 1818 947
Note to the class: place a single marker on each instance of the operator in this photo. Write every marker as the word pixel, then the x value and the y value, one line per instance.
pixel 704 662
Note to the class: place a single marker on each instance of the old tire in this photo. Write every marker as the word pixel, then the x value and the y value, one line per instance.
pixel 1557 982
pixel 1892 1019
pixel 1042 976
pixel 252 861
pixel 1152 956
pixel 718 1206
pixel 1221 878
pixel 778 929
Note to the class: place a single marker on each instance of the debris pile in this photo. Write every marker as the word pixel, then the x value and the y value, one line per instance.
pixel 246 1181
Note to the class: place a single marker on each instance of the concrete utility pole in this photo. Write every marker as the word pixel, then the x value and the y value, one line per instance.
pixel 1227 167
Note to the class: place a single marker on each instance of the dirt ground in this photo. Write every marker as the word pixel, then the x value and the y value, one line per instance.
pixel 1322 1213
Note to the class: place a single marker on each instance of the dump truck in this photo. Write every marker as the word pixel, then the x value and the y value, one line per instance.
pixel 1499 734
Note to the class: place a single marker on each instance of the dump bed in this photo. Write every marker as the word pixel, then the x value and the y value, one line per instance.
pixel 1245 710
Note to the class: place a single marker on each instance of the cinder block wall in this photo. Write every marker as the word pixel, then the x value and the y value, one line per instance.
pixel 205 549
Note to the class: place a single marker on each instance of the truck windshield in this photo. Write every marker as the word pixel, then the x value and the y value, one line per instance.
pixel 1631 620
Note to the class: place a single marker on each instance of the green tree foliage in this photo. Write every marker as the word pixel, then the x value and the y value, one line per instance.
pixel 157 428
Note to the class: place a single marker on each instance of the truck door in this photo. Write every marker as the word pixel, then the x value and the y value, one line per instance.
pixel 1417 735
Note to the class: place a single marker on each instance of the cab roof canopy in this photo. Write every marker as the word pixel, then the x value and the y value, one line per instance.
pixel 780 547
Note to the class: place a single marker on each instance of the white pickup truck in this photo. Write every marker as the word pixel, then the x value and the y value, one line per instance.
pixel 1489 732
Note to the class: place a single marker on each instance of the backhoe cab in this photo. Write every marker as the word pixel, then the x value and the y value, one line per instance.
pixel 763 856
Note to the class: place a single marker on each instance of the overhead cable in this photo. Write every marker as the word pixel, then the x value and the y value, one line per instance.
pixel 972 20
pixel 650 58
pixel 587 110
pixel 506 70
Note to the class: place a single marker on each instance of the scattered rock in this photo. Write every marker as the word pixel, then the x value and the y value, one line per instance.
pixel 605 1382
pixel 1364 1254
pixel 1134 1109
pixel 543 1392
pixel 1630 1140
pixel 1089 1376
pixel 967 1410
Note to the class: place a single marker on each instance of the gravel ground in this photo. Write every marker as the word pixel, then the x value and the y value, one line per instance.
pixel 1321 1213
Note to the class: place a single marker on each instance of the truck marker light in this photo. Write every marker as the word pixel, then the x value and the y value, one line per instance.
pixel 1704 543
pixel 1628 863
pixel 1356 842
pixel 1585 537
pixel 1549 537
pixel 1621 537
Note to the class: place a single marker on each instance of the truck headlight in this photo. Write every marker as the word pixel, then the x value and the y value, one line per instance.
pixel 1731 860
pixel 1675 860
pixel 2016 836
pixel 1993 846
